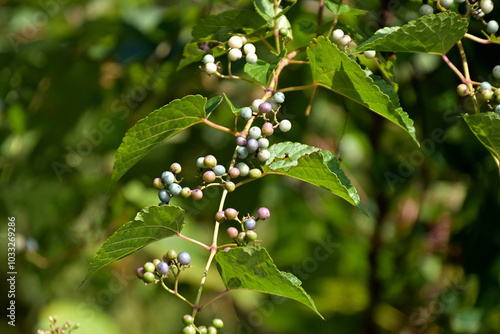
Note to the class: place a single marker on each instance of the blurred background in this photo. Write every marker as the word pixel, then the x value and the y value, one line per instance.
pixel 74 76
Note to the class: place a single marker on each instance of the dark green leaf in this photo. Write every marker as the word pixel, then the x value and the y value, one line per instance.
pixel 212 103
pixel 231 105
pixel 157 127
pixel 153 223
pixel 342 9
pixel 252 268
pixel 428 34
pixel 333 69
pixel 307 27
pixel 486 127
pixel 262 71
pixel 312 165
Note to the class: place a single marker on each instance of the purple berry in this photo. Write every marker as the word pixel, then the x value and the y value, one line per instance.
pixel 162 268
pixel 220 217
pixel 140 272
pixel 184 258
pixel 252 145
pixel 267 129
pixel 250 224
pixel 241 141
pixel 263 213
pixel 197 194
pixel 265 107
pixel 234 172
pixel 232 233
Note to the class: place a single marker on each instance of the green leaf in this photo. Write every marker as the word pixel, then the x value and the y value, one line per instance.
pixel 429 34
pixel 333 69
pixel 486 127
pixel 312 165
pixel 212 103
pixel 342 9
pixel 262 71
pixel 157 127
pixel 153 223
pixel 231 105
pixel 307 26
pixel 252 268
pixel 265 8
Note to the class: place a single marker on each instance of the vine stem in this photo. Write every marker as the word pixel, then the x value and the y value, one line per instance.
pixel 477 39
pixel 220 295
pixel 296 88
pixel 466 73
pixel 309 106
pixel 235 77
pixel 219 127
pixel 175 293
pixel 454 68
pixel 193 241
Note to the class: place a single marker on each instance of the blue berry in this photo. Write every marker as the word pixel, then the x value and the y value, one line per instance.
pixel 184 258
pixel 175 189
pixel 241 141
pixel 246 113
pixel 250 224
pixel 162 268
pixel 263 143
pixel 265 107
pixel 279 97
pixel 243 167
pixel 252 145
pixel 492 27
pixel 200 162
pixel 219 170
pixel 164 196
pixel 242 152
pixel 485 85
pixel 168 178
pixel 254 132
pixel 162 204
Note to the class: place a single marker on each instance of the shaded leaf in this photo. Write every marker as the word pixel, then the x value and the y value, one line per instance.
pixel 252 268
pixel 486 127
pixel 262 71
pixel 234 110
pixel 212 104
pixel 428 34
pixel 342 9
pixel 153 223
pixel 157 127
pixel 333 69
pixel 221 26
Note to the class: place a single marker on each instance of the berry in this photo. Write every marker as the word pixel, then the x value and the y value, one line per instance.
pixel 370 54
pixel 230 213
pixel 267 129
pixel 446 3
pixel 492 27
pixel 283 32
pixel 263 155
pixel 345 40
pixel 462 90
pixel 158 183
pixel 255 173
pixel 197 194
pixel 164 196
pixel 252 145
pixel 140 272
pixel 487 94
pixel 263 143
pixel 168 178
pixel 217 323
pixel 149 267
pixel 176 168
pixel 242 152
pixel 274 104
pixel 265 107
pixel 210 68
pixel 251 58
pixel 162 268
pixel 148 277
pixel 235 42
pixel 234 54
pixel 241 141
pixel 209 176
pixel 246 113
pixel 263 213
pixel 156 261
pixel 250 223
pixel 255 105
pixel 170 255
pixel 200 162
pixel 485 85
pixel 279 97
pixel 175 189
pixel 243 168
pixel 254 132
pixel 184 258
pixel 209 161
pixel 220 217
pixel 486 6
pixel 202 330
pixel 337 34
pixel 162 203
pixel 249 48
pixel 185 192
pixel 459 1
pixel 426 10
pixel 229 186
pixel 496 72
pixel 219 170
pixel 232 233
pixel 208 59
pixel 189 330
pixel 285 125
pixel 251 235
pixel 188 319
pixel 497 110
pixel 234 172
pixel 243 39
pixel 240 239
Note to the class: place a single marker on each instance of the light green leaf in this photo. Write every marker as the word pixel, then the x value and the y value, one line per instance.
pixel 252 268
pixel 428 34
pixel 486 127
pixel 334 70
pixel 261 71
pixel 265 8
pixel 157 127
pixel 342 9
pixel 312 165
pixel 153 223
pixel 234 110
pixel 212 104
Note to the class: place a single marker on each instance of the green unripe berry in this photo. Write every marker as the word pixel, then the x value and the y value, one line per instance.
pixel 202 330
pixel 148 277
pixel 149 267
pixel 185 192
pixel 189 330
pixel 155 262
pixel 283 32
pixel 175 168
pixel 251 235
pixel 217 323
pixel 209 161
pixel 487 94
pixel 462 90
pixel 240 239
pixel 170 255
pixel 158 183
pixel 255 173
pixel 230 213
pixel 188 319
pixel 229 186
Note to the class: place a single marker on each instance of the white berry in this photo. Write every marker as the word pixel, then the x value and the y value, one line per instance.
pixel 345 40
pixel 249 48
pixel 210 68
pixel 426 10
pixel 208 59
pixel 496 72
pixel 446 3
pixel 251 58
pixel 486 6
pixel 285 125
pixel 235 42
pixel 337 35
pixel 370 54
pixel 255 105
pixel 234 54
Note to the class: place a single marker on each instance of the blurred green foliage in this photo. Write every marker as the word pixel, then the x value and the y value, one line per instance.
pixel 76 75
